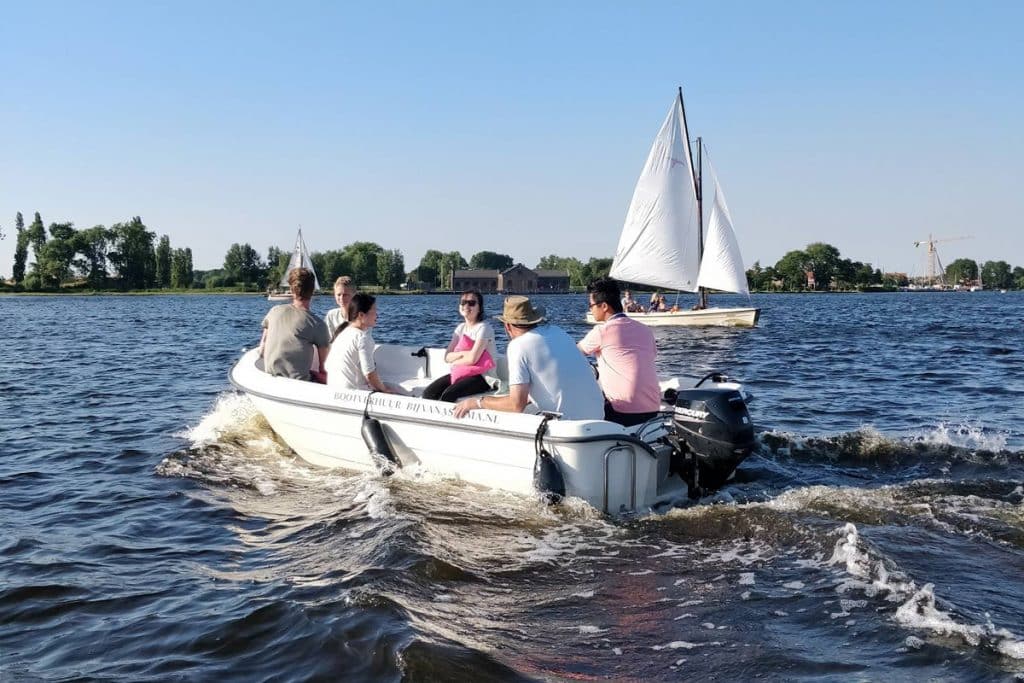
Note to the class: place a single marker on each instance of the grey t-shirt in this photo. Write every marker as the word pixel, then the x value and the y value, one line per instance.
pixel 291 335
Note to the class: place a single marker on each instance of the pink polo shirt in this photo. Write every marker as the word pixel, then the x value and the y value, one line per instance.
pixel 625 353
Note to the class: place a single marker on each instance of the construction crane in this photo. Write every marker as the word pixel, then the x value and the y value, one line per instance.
pixel 932 257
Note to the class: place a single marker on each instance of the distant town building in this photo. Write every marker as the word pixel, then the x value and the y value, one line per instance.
pixel 518 279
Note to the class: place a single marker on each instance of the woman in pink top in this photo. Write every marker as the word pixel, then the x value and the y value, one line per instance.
pixel 471 353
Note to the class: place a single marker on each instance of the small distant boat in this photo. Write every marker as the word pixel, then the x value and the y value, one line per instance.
pixel 663 243
pixel 300 259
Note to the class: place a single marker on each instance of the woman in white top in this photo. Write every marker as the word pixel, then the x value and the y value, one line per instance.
pixel 471 353
pixel 350 363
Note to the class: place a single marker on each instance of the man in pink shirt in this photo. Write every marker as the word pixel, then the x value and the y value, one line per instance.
pixel 625 352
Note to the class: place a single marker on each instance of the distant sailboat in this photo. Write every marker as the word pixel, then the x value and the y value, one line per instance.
pixel 663 242
pixel 300 259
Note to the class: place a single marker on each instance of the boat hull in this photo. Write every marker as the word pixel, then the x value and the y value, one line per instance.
pixel 601 462
pixel 707 317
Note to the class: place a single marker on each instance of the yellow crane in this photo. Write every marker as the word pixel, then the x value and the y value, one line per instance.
pixel 932 262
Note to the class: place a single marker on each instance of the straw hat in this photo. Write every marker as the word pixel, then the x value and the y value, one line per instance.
pixel 519 311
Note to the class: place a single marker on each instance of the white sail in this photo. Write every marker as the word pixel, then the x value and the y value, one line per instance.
pixel 658 245
pixel 300 259
pixel 722 265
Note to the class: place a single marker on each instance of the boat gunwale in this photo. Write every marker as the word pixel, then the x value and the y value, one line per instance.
pixel 631 439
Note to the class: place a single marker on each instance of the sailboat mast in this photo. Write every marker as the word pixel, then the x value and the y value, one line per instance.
pixel 702 295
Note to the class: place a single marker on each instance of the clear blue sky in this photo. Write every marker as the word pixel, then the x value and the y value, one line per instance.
pixel 516 127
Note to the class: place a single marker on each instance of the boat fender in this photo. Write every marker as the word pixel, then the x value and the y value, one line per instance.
pixel 547 476
pixel 380 449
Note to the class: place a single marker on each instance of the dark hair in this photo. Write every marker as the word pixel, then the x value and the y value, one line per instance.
pixel 606 291
pixel 479 302
pixel 301 282
pixel 360 303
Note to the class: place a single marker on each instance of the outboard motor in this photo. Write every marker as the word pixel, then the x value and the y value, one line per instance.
pixel 711 433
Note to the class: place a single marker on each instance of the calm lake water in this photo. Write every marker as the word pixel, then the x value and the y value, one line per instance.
pixel 153 528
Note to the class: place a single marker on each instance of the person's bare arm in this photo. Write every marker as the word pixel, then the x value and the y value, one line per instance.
pixel 514 402
pixel 375 381
pixel 322 352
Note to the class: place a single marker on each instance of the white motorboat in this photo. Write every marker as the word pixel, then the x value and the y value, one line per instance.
pixel 694 446
pixel 300 259
pixel 663 241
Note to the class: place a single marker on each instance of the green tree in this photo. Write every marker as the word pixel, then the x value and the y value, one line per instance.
pixel 997 274
pixel 181 268
pixel 490 260
pixel 570 264
pixel 37 238
pixel 429 269
pixel 451 262
pixel 757 278
pixel 963 271
pixel 1018 278
pixel 163 262
pixel 56 255
pixel 242 265
pixel 133 255
pixel 277 261
pixel 20 249
pixel 823 259
pixel 362 259
pixel 330 265
pixel 792 269
pixel 390 268
pixel 595 268
pixel 93 244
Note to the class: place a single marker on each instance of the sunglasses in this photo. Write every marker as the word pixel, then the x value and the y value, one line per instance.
pixel 468 302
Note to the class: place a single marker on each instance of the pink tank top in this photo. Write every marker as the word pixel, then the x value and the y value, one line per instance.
pixel 482 364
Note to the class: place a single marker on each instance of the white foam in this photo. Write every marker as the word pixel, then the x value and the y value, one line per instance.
pixel 747 579
pixel 675 645
pixel 917 608
pixel 794 585
pixel 963 435
pixel 231 413
pixel 920 612
pixel 583 594
pixel 587 629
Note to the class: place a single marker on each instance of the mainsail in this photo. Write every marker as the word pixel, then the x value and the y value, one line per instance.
pixel 722 265
pixel 660 242
pixel 300 259
pixel 659 239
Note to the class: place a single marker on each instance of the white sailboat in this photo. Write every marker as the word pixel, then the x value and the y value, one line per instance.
pixel 663 242
pixel 300 259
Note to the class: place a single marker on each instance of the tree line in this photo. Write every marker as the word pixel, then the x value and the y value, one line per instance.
pixel 124 256
pixel 820 266
pixel 128 256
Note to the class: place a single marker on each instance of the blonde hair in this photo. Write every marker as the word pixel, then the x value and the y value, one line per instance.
pixel 343 282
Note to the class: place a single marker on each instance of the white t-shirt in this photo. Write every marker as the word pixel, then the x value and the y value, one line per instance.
pixel 334 318
pixel 560 378
pixel 351 359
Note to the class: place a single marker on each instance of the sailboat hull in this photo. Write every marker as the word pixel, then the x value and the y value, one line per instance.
pixel 708 317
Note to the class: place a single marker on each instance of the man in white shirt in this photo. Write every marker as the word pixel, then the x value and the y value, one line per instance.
pixel 544 366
